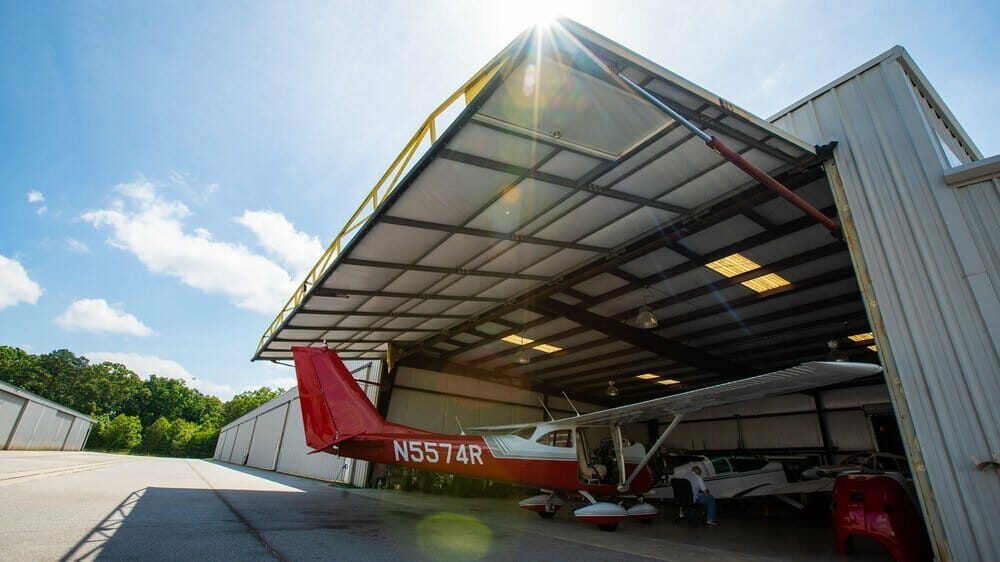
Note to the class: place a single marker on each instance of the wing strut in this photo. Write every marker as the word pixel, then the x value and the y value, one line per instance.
pixel 652 451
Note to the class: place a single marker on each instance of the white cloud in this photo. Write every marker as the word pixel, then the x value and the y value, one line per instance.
pixel 145 365
pixel 75 246
pixel 95 315
pixel 281 382
pixel 35 196
pixel 153 229
pixel 41 210
pixel 15 285
pixel 278 236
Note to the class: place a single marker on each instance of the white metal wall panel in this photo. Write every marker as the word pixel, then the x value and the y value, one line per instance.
pixel 699 436
pixel 30 422
pixel 227 448
pixel 850 431
pixel 443 396
pixel 220 444
pixel 241 445
pixel 25 430
pixel 77 435
pixel 10 411
pixel 784 431
pixel 294 457
pixel 267 438
pixel 926 253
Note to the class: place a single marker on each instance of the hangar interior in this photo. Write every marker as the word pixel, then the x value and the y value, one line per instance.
pixel 564 235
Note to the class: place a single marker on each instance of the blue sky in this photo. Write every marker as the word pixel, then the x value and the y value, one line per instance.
pixel 169 170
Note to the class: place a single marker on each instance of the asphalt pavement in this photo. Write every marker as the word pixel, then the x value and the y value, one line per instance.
pixel 86 506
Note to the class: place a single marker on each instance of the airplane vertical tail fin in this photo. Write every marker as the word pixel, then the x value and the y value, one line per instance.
pixel 334 408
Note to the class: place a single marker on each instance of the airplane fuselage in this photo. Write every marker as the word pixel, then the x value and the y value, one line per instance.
pixel 503 458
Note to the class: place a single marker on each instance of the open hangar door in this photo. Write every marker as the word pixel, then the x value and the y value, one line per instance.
pixel 529 244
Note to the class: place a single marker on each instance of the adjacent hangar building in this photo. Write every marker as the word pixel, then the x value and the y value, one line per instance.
pixel 518 252
pixel 31 423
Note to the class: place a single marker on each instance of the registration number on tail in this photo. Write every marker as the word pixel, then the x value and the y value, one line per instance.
pixel 424 451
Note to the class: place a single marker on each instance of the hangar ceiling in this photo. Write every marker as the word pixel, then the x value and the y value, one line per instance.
pixel 556 207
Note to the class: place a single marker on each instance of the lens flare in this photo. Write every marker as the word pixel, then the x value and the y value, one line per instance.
pixel 453 536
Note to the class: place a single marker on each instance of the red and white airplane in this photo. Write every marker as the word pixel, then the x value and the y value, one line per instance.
pixel 553 456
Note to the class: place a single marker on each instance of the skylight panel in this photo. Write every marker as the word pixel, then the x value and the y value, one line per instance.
pixel 647 376
pixel 862 337
pixel 667 382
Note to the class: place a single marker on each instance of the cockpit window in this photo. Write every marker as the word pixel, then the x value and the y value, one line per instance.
pixel 558 438
pixel 525 432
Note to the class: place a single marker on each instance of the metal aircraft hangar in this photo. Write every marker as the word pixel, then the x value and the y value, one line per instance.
pixel 505 256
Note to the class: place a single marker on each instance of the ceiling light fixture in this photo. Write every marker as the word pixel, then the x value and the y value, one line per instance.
pixel 645 319
pixel 611 391
pixel 667 382
pixel 522 357
pixel 647 376
pixel 836 354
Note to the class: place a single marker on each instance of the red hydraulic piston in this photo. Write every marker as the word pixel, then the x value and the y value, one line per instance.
pixel 764 178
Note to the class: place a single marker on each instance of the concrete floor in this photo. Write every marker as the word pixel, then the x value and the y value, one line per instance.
pixel 83 506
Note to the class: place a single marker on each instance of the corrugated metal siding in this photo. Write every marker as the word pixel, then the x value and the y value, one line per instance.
pixel 30 422
pixel 432 401
pixel 271 437
pixel 930 253
pixel 267 438
pixel 10 412
pixel 241 446
pixel 227 447
pixel 294 457
pixel 783 422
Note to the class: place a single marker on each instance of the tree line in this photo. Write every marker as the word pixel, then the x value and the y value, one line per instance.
pixel 156 415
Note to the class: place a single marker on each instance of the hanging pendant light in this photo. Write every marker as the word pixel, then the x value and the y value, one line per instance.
pixel 645 319
pixel 836 354
pixel 522 357
pixel 611 391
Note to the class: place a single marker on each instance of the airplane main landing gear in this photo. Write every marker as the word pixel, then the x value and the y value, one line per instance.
pixel 545 505
pixel 605 515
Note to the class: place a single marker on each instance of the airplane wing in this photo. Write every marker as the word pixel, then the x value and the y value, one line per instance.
pixel 800 487
pixel 785 381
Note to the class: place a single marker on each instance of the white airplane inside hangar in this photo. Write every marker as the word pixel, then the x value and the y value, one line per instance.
pixel 570 239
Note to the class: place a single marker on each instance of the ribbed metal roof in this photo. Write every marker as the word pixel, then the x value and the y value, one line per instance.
pixel 554 207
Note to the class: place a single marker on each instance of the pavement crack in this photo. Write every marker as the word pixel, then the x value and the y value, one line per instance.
pixel 246 522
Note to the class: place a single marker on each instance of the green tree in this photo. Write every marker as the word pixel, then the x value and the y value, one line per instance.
pixel 245 402
pixel 21 369
pixel 172 399
pixel 122 433
pixel 157 436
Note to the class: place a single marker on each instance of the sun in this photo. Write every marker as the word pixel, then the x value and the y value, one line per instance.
pixel 521 14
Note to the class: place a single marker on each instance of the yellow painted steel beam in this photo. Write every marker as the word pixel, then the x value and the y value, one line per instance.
pixel 382 188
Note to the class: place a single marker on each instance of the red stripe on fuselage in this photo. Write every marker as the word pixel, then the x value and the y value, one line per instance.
pixel 468 455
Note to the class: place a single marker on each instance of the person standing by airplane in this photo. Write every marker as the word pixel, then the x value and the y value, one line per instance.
pixel 701 494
